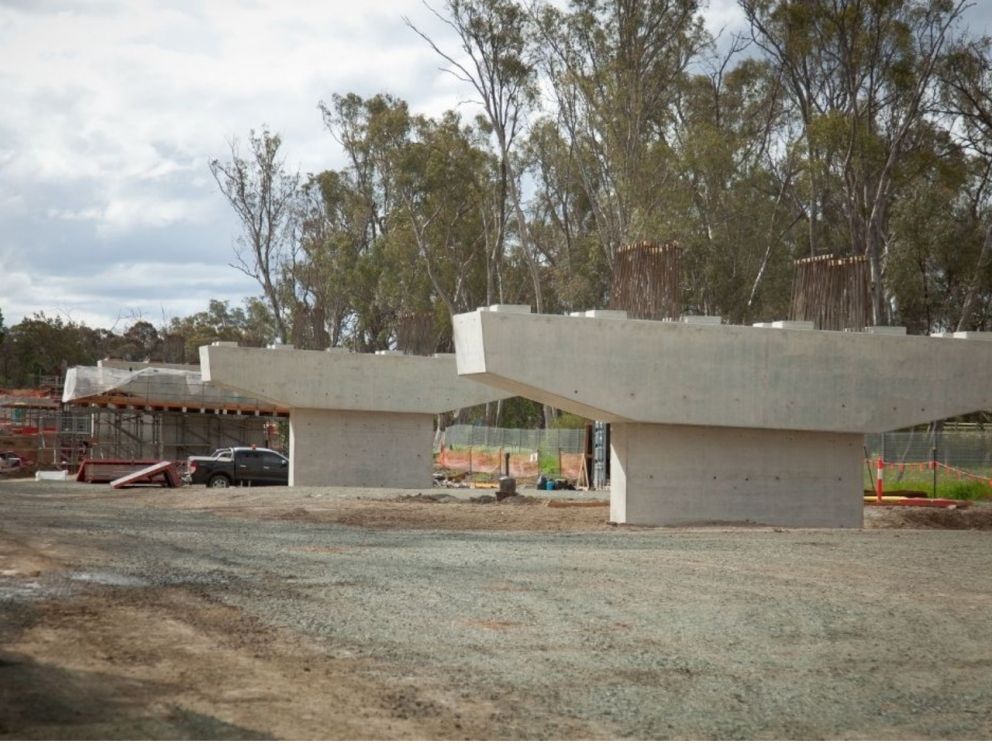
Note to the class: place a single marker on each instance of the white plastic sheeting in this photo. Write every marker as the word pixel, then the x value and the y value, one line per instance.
pixel 152 384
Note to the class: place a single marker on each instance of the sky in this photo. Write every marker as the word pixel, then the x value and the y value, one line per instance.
pixel 111 110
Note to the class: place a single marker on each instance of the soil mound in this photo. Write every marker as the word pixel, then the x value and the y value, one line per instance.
pixel 424 498
pixel 978 517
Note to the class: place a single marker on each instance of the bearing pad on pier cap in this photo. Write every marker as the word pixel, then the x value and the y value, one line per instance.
pixel 720 423
pixel 354 419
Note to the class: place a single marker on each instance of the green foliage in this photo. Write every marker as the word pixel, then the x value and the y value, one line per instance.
pixel 249 325
pixel 547 463
pixel 565 420
pixel 41 346
pixel 948 487
pixel 520 413
pixel 965 490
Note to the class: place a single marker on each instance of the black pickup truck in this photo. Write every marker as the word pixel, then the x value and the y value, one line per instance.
pixel 248 466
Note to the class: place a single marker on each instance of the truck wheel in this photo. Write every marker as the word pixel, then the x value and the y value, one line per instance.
pixel 218 481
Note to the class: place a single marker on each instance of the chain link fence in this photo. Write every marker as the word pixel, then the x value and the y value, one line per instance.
pixel 965 448
pixel 968 449
pixel 465 436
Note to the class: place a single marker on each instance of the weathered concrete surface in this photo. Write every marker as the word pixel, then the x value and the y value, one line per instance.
pixel 360 448
pixel 682 475
pixel 728 423
pixel 355 419
pixel 765 378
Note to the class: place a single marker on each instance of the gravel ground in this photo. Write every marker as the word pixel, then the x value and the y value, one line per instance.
pixel 159 614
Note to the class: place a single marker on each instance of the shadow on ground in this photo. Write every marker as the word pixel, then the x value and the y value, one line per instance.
pixel 42 701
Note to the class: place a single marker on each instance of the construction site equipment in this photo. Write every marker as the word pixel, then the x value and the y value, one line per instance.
pixel 51 475
pixel 507 488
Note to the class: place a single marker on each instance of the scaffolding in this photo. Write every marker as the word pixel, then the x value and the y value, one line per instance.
pixel 27 418
pixel 162 412
pixel 132 411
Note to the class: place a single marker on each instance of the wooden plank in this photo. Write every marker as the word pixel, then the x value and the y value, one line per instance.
pixel 104 471
pixel 164 468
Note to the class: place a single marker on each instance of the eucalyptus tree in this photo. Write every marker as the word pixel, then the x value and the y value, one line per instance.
pixel 41 346
pixel 370 131
pixel 966 76
pixel 401 228
pixel 441 187
pixel 496 60
pixel 614 68
pixel 321 263
pixel 935 236
pixel 578 273
pixel 861 77
pixel 251 324
pixel 262 192
pixel 735 216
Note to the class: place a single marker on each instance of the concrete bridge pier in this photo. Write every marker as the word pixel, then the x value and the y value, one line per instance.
pixel 721 423
pixel 679 475
pixel 360 448
pixel 354 419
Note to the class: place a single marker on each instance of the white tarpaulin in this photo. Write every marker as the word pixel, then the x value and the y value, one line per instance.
pixel 151 385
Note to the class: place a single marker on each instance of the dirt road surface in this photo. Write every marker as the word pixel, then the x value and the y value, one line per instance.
pixel 312 613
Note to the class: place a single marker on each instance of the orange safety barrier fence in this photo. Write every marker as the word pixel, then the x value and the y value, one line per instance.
pixel 522 464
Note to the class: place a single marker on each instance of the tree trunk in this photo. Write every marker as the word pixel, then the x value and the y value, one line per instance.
pixel 968 308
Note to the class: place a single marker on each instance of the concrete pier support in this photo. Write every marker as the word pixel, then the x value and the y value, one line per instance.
pixel 721 423
pixel 679 475
pixel 354 419
pixel 360 448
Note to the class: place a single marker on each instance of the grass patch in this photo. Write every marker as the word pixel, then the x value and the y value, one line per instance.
pixel 548 463
pixel 947 487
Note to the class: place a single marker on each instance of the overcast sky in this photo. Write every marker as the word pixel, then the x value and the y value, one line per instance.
pixel 110 111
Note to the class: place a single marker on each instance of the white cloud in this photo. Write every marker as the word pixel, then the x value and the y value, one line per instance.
pixel 125 213
pixel 154 291
pixel 110 99
pixel 88 214
pixel 724 16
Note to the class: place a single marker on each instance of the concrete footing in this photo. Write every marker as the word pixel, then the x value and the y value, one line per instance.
pixel 678 475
